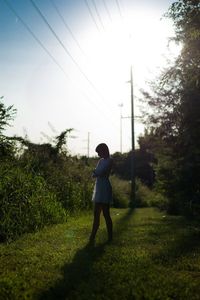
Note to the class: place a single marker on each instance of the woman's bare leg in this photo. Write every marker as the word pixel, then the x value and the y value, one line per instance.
pixel 106 213
pixel 96 221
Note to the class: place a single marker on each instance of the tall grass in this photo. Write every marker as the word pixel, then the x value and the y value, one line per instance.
pixel 26 203
pixel 121 192
pixel 35 192
pixel 72 185
pixel 146 197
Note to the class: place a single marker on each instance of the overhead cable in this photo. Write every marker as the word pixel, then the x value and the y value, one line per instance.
pixel 107 10
pixel 119 8
pixel 67 26
pixel 91 14
pixel 63 46
pixel 98 14
pixel 35 37
pixel 65 49
pixel 49 54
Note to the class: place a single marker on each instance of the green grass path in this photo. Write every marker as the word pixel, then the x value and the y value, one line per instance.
pixel 153 256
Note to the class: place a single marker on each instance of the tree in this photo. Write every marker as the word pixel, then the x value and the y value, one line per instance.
pixel 7 114
pixel 176 119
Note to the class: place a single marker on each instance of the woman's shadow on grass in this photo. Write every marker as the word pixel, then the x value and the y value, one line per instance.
pixel 81 268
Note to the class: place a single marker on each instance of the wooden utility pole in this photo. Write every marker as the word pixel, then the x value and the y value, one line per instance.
pixel 121 105
pixel 88 145
pixel 133 143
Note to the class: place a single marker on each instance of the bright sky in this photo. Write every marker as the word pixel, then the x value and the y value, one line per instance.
pixel 73 72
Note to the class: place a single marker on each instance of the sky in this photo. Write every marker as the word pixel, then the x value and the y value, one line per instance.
pixel 66 64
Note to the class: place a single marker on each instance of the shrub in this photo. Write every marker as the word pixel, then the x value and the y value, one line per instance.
pixel 146 197
pixel 121 192
pixel 75 195
pixel 72 185
pixel 26 204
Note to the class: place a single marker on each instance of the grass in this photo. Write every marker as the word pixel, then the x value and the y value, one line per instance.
pixel 152 256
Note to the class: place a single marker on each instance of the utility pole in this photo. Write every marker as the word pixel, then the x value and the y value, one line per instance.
pixel 121 105
pixel 133 143
pixel 88 145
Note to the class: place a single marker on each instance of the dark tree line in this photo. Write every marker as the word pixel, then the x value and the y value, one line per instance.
pixel 173 136
pixel 169 154
pixel 143 165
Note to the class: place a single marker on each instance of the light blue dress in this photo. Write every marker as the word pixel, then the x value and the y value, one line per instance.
pixel 102 190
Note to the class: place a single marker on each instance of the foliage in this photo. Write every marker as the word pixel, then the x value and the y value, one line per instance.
pixel 146 197
pixel 61 139
pixel 70 179
pixel 7 148
pixel 40 183
pixel 26 202
pixel 6 115
pixel 175 119
pixel 143 165
pixel 121 192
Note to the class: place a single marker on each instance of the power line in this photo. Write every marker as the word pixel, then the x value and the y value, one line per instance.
pixel 107 10
pixel 65 49
pixel 35 37
pixel 57 37
pixel 67 26
pixel 49 54
pixel 98 14
pixel 119 8
pixel 91 14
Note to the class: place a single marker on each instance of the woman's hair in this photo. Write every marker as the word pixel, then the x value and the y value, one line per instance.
pixel 104 148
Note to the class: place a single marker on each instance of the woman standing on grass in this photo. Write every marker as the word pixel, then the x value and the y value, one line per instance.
pixel 102 195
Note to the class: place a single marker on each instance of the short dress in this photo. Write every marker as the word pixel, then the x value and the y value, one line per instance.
pixel 102 190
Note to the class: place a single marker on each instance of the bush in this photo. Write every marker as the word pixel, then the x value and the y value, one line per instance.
pixel 71 183
pixel 73 195
pixel 146 197
pixel 121 192
pixel 26 204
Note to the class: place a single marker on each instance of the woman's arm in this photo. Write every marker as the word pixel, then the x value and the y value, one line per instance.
pixel 103 168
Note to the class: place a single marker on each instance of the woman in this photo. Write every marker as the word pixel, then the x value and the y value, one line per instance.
pixel 102 195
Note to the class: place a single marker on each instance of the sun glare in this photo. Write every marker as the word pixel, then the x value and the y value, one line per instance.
pixel 81 78
pixel 139 39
